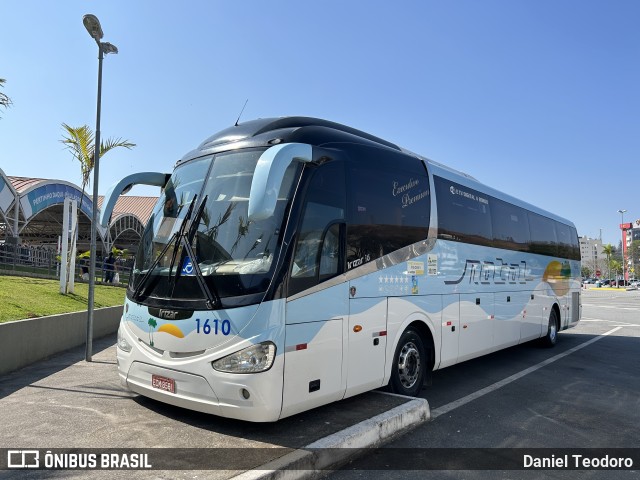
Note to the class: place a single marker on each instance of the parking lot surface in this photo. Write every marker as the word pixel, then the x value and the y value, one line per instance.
pixel 66 403
pixel 584 393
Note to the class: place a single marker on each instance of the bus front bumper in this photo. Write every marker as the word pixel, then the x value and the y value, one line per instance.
pixel 251 397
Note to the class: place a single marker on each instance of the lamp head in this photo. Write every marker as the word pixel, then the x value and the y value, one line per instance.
pixel 108 48
pixel 92 24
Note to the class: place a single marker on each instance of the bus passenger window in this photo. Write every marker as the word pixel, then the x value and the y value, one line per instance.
pixel 543 235
pixel 389 208
pixel 464 214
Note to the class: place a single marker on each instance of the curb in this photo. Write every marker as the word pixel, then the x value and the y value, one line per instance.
pixel 310 461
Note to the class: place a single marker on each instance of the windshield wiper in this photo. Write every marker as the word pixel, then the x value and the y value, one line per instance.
pixel 154 264
pixel 180 232
pixel 185 239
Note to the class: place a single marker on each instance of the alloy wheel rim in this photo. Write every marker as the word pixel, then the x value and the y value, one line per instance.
pixel 409 365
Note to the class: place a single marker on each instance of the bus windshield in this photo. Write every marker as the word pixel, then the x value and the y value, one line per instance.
pixel 204 205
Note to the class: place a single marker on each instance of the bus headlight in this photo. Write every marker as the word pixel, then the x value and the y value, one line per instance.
pixel 122 341
pixel 253 359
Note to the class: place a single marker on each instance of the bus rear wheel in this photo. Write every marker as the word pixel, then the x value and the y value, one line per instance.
pixel 551 338
pixel 409 364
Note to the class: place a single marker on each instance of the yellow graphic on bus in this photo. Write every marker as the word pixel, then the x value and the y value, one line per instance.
pixel 171 330
pixel 558 275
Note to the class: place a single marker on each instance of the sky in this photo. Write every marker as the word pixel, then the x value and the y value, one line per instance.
pixel 537 98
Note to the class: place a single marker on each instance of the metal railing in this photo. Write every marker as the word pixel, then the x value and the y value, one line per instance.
pixel 42 261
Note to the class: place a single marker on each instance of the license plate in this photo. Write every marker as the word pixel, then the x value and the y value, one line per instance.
pixel 163 383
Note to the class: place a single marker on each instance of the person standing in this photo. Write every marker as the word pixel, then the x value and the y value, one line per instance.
pixel 109 268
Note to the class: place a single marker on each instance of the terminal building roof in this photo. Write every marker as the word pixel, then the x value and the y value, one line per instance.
pixel 32 209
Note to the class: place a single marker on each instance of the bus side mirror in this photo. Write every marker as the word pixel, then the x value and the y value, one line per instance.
pixel 156 179
pixel 269 175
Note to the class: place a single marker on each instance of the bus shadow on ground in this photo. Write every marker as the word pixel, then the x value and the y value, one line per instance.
pixel 291 432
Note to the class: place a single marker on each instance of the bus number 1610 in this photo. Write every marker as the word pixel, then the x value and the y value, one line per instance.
pixel 223 327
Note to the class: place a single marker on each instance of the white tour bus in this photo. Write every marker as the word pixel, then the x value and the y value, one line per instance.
pixel 293 262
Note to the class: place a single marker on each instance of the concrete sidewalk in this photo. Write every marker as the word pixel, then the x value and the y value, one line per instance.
pixel 65 402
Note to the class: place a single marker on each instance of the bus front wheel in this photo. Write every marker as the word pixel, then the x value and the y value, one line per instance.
pixel 409 364
pixel 551 338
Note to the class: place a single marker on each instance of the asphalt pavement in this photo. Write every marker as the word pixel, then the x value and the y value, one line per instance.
pixel 584 394
pixel 67 403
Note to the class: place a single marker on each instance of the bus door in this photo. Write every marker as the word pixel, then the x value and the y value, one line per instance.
pixel 450 331
pixel 476 325
pixel 510 315
pixel 317 305
pixel 314 342
pixel 536 316
pixel 367 344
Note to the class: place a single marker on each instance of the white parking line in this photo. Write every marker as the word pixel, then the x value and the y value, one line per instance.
pixel 618 323
pixel 610 307
pixel 491 388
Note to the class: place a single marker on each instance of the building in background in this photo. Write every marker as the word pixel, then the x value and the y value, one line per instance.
pixel 592 256
pixel 631 248
pixel 31 213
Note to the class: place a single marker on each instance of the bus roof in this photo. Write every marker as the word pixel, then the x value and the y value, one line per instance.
pixel 269 131
pixel 316 131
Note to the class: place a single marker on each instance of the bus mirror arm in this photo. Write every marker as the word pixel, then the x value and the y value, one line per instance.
pixel 269 174
pixel 156 179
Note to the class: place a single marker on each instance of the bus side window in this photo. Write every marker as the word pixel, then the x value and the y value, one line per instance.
pixel 510 226
pixel 543 235
pixel 330 253
pixel 317 252
pixel 389 206
pixel 566 242
pixel 464 214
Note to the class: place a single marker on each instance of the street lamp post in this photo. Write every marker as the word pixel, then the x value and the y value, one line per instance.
pixel 621 212
pixel 92 24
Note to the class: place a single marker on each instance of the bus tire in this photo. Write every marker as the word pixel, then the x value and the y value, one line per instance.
pixel 551 338
pixel 409 364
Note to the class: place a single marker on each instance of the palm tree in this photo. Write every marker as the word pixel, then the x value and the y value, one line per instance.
pixel 80 141
pixel 616 266
pixel 153 324
pixel 608 251
pixel 5 101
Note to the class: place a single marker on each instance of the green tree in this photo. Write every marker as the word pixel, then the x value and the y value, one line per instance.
pixel 608 251
pixel 5 101
pixel 80 141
